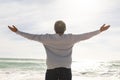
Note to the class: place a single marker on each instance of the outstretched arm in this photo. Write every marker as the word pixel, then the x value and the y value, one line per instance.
pixel 88 35
pixel 26 35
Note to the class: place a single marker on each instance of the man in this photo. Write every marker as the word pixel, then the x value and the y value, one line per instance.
pixel 59 49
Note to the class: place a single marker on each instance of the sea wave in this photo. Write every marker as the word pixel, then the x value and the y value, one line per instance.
pixel 37 66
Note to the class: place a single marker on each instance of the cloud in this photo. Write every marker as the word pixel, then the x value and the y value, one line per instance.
pixel 27 2
pixel 21 48
pixel 38 16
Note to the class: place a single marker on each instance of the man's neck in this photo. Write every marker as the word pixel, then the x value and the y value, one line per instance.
pixel 60 34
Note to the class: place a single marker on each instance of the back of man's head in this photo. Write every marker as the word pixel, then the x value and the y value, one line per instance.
pixel 60 27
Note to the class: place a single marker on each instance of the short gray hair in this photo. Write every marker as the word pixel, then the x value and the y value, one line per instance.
pixel 60 26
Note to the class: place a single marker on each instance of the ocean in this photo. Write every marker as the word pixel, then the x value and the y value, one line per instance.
pixel 34 69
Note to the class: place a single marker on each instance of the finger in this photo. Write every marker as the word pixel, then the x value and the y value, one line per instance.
pixel 14 26
pixel 108 25
pixel 103 25
pixel 9 27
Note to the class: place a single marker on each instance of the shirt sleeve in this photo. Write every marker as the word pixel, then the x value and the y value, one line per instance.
pixel 35 37
pixel 85 36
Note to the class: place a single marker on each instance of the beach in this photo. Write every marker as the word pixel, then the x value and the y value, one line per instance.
pixel 37 76
pixel 33 69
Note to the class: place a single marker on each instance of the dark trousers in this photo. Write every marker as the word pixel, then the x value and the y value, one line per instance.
pixel 58 74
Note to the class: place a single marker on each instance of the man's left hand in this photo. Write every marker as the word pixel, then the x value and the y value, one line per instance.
pixel 104 27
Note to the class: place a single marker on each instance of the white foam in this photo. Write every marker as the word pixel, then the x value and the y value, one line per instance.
pixel 36 75
pixel 20 75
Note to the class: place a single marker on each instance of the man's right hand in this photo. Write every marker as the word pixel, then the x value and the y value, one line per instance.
pixel 13 28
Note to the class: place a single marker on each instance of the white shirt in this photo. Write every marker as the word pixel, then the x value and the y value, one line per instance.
pixel 58 48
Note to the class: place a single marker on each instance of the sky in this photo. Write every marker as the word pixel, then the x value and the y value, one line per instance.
pixel 80 16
